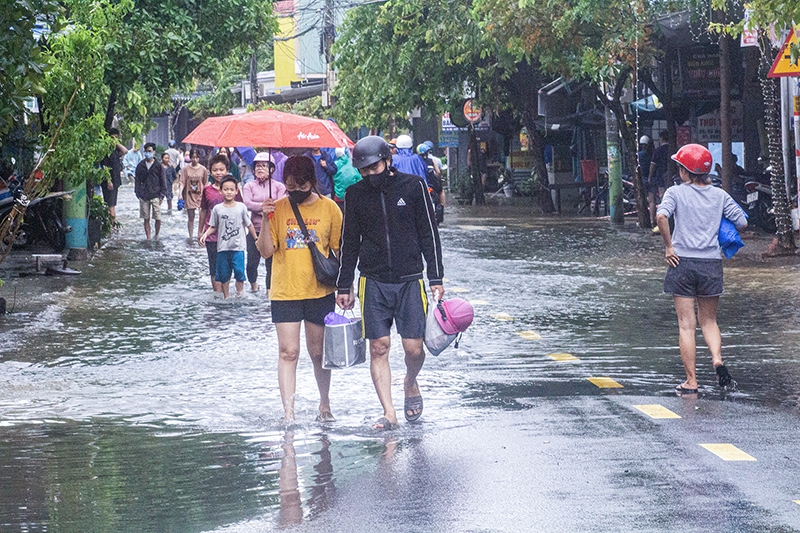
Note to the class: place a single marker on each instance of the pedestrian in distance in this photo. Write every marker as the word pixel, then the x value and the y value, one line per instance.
pixel 657 176
pixel 193 180
pixel 175 156
pixel 211 197
pixel 262 188
pixel 113 162
pixel 406 161
pixel 346 175
pixel 297 297
pixel 388 228
pixel 230 220
pixel 324 169
pixel 694 274
pixel 169 176
pixel 130 161
pixel 150 188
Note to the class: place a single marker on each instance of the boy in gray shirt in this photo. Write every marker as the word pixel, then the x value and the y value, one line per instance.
pixel 230 220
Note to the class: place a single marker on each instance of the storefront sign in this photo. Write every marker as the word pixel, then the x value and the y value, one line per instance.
pixel 708 125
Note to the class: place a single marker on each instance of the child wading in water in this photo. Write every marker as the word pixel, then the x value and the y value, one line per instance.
pixel 230 220
pixel 211 197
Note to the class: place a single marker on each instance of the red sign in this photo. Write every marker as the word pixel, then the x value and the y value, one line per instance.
pixel 472 113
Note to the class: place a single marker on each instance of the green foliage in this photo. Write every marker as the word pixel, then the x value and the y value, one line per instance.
pixel 22 66
pixel 162 46
pixel 311 107
pixel 99 210
pixel 400 55
pixel 75 79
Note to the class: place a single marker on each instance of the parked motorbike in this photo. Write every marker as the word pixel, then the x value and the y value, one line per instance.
pixel 43 221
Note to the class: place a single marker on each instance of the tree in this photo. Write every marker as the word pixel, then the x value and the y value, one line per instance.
pixel 22 66
pixel 599 41
pixel 403 55
pixel 158 47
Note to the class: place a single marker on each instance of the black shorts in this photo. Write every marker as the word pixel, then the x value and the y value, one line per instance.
pixel 211 251
pixel 382 303
pixel 694 277
pixel 109 197
pixel 312 310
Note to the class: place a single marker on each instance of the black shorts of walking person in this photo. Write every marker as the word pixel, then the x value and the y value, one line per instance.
pixel 311 310
pixel 384 303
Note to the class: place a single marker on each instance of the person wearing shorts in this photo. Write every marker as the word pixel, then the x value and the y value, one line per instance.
pixel 230 221
pixel 297 297
pixel 150 187
pixel 694 274
pixel 113 162
pixel 389 227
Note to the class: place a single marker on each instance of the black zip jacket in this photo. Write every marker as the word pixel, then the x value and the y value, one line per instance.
pixel 388 231
pixel 150 183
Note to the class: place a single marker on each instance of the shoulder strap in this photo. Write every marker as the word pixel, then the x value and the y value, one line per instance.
pixel 299 219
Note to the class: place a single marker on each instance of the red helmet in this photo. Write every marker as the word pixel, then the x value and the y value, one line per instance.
pixel 694 158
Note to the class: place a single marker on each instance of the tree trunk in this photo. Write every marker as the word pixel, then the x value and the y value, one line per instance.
pixel 784 243
pixel 628 137
pixel 110 108
pixel 725 110
pixel 536 144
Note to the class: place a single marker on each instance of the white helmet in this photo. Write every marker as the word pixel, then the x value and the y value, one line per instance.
pixel 264 157
pixel 644 139
pixel 404 141
pixel 339 152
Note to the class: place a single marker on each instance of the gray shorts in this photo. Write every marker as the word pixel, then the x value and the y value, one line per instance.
pixel 383 303
pixel 694 277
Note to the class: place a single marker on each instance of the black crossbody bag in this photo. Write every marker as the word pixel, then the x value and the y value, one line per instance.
pixel 325 268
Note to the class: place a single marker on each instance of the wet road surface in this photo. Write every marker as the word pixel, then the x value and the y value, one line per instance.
pixel 134 399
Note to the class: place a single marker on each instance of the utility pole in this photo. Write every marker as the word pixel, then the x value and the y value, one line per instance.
pixel 328 38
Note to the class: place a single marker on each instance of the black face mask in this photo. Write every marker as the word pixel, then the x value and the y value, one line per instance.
pixel 379 180
pixel 299 197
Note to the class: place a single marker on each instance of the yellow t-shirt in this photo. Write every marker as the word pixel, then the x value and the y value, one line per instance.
pixel 293 275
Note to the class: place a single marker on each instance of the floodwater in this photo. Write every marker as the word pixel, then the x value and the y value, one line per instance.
pixel 134 399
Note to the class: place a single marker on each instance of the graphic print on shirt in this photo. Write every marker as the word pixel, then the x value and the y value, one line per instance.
pixel 294 238
pixel 230 228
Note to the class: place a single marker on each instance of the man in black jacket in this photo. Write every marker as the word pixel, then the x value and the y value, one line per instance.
pixel 150 187
pixel 389 225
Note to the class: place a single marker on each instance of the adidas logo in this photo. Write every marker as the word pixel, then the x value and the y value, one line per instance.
pixel 401 202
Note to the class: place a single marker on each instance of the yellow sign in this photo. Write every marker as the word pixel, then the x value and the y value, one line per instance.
pixel 788 61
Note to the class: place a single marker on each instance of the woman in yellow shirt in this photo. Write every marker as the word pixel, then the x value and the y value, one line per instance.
pixel 295 293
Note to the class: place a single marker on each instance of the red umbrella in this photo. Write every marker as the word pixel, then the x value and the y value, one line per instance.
pixel 270 128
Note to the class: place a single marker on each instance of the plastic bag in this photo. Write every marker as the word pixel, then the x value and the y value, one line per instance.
pixel 344 344
pixel 436 340
pixel 729 239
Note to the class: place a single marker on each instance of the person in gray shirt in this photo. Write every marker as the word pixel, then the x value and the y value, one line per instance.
pixel 694 274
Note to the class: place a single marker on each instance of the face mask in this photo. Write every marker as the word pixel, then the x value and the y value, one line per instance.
pixel 149 155
pixel 379 180
pixel 299 197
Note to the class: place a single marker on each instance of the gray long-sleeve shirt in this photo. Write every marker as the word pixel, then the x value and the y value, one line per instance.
pixel 698 212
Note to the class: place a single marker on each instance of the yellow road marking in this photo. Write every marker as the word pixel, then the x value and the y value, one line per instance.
pixel 528 335
pixel 797 502
pixel 503 316
pixel 728 452
pixel 473 228
pixel 605 383
pixel 656 411
pixel 445 280
pixel 458 289
pixel 562 357
pixel 478 302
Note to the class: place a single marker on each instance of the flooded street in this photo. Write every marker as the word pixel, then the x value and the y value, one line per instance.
pixel 132 398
